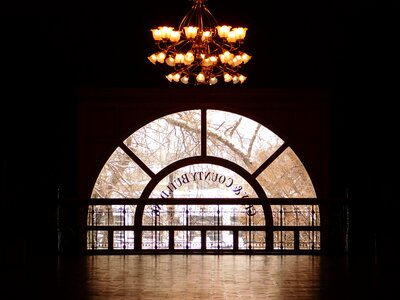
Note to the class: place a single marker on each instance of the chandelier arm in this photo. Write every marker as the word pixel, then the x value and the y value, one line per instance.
pixel 180 47
pixel 211 20
pixel 187 19
pixel 221 44
pixel 166 47
pixel 227 69
pixel 200 16
pixel 187 70
pixel 220 71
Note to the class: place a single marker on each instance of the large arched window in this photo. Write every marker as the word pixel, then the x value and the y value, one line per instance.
pixel 203 180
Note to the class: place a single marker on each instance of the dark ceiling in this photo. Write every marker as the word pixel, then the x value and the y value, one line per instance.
pixel 50 49
pixel 312 44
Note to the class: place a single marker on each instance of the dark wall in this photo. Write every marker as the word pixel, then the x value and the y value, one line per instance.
pixel 51 50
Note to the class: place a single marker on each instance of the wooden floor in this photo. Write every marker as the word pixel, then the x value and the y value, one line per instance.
pixel 197 277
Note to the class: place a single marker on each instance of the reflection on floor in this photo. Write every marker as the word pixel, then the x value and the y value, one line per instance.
pixel 196 277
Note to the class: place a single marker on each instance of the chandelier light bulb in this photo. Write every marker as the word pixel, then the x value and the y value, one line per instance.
pixel 213 80
pixel 200 49
pixel 176 77
pixel 190 32
pixel 206 36
pixel 156 34
pixel 161 57
pixel 200 78
pixel 185 79
pixel 242 78
pixel 227 77
pixel 240 33
pixel 170 61
pixel 223 31
pixel 175 36
pixel 153 58
pixel 189 58
pixel 245 58
pixel 166 32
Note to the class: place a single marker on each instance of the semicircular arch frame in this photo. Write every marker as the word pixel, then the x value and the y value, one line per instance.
pixel 189 148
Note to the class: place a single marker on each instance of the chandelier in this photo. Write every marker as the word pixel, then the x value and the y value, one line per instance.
pixel 200 51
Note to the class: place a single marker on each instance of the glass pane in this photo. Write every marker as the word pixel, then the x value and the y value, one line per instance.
pixel 123 239
pixel 203 215
pixel 167 139
pixel 255 215
pixel 286 177
pixel 187 239
pixel 295 215
pixel 155 239
pixel 245 215
pixel 283 240
pixel 239 139
pixel 203 181
pixel 99 215
pixel 219 239
pixel 96 239
pixel 129 214
pixel 120 177
pixel 277 215
pixel 310 240
pixel 162 215
pixel 114 215
pixel 252 240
